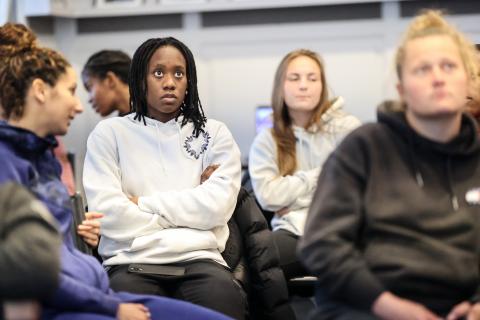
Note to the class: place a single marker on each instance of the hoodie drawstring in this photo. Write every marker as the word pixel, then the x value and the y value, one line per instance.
pixel 419 177
pixel 416 170
pixel 453 196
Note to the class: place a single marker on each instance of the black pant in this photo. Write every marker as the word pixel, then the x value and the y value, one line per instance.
pixel 328 309
pixel 286 243
pixel 204 283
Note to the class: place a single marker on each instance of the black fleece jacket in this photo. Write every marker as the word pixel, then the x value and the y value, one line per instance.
pixel 268 293
pixel 391 213
pixel 29 246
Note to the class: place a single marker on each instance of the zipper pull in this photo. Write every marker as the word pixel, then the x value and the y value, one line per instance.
pixel 454 202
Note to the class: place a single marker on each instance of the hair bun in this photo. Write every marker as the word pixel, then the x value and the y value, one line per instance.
pixel 16 38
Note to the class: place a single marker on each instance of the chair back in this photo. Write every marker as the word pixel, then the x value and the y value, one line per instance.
pixel 78 211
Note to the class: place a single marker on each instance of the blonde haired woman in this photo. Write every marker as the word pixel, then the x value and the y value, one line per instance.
pixel 393 232
pixel 285 161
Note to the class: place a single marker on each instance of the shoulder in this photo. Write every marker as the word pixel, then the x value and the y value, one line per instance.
pixel 217 130
pixel 367 138
pixel 10 157
pixel 212 125
pixel 340 120
pixel 113 122
pixel 106 128
pixel 264 137
pixel 336 118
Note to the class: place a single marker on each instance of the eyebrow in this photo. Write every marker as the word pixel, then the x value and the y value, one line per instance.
pixel 159 65
pixel 308 74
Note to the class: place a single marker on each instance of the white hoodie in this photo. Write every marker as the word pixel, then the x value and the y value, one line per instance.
pixel 176 219
pixel 294 192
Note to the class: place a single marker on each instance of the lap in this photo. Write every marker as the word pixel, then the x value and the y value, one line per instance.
pixel 204 283
pixel 286 243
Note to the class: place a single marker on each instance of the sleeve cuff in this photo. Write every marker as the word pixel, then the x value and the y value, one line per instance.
pixel 111 305
pixel 364 289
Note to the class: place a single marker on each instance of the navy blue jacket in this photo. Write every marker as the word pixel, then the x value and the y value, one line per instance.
pixel 28 159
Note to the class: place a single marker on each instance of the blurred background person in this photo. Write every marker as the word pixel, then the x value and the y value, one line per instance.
pixel 105 77
pixel 285 161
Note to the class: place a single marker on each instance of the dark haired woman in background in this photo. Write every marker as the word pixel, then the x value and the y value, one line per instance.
pixel 105 77
pixel 164 229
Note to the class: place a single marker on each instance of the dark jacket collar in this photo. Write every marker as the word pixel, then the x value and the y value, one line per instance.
pixel 25 140
pixel 466 142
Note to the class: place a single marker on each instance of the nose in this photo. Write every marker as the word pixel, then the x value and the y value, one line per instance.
pixel 438 76
pixel 168 82
pixel 78 107
pixel 303 84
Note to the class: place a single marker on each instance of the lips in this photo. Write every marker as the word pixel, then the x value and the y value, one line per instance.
pixel 303 97
pixel 169 96
pixel 440 94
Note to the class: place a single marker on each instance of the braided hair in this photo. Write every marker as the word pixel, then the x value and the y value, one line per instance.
pixel 191 108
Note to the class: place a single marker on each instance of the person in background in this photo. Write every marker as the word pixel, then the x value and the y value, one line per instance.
pixel 67 175
pixel 165 223
pixel 285 161
pixel 105 77
pixel 393 231
pixel 38 99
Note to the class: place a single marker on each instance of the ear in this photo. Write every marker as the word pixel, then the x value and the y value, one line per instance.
pixel 400 90
pixel 111 80
pixel 39 90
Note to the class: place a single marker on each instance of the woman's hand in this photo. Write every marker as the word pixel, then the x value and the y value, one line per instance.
pixel 465 310
pixel 282 212
pixel 208 172
pixel 133 311
pixel 134 199
pixel 89 230
pixel 204 177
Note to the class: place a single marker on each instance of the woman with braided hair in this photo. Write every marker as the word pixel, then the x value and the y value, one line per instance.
pixel 167 180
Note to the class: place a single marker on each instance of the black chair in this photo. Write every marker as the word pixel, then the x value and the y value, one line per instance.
pixel 78 211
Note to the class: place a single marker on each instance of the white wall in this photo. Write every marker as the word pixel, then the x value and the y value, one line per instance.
pixel 236 64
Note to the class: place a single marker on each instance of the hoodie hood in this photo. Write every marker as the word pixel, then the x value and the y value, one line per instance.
pixel 391 113
pixel 464 144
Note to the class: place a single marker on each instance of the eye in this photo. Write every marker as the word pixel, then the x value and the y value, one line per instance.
pixel 448 66
pixel 158 73
pixel 293 77
pixel 312 78
pixel 179 74
pixel 421 70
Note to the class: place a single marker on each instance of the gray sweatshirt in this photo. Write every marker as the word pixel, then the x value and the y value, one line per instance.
pixel 275 192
